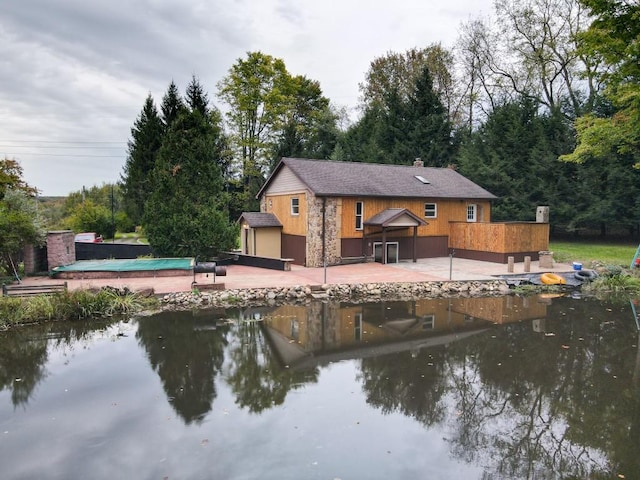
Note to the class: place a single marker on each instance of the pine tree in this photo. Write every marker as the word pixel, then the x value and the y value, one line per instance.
pixel 186 214
pixel 172 105
pixel 196 98
pixel 146 138
pixel 428 124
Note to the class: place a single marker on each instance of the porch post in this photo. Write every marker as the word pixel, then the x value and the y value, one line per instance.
pixel 415 244
pixel 384 245
pixel 364 242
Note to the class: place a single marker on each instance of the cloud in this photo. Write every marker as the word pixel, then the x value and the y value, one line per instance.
pixel 78 72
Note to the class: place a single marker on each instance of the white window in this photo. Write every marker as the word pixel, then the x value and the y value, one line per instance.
pixel 357 327
pixel 428 322
pixel 359 215
pixel 471 212
pixel 295 206
pixel 430 210
pixel 295 329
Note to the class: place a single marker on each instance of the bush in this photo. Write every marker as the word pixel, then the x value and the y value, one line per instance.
pixel 614 279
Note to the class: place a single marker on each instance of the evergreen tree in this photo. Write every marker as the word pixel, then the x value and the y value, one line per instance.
pixel 172 105
pixel 186 214
pixel 514 155
pixel 146 138
pixel 196 98
pixel 398 128
pixel 429 126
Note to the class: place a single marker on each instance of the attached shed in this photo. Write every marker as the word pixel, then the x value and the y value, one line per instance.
pixel 260 234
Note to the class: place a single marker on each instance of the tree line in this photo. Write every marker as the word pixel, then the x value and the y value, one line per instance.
pixel 539 104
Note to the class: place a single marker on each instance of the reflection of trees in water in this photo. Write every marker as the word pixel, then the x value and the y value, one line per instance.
pixel 411 383
pixel 22 363
pixel 255 376
pixel 24 353
pixel 524 404
pixel 187 352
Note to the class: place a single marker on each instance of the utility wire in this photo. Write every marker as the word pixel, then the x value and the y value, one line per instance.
pixel 64 155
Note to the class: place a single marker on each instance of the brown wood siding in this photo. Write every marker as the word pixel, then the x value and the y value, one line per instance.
pixel 294 246
pixel 500 238
pixel 280 206
pixel 503 309
pixel 495 257
pixel 448 210
pixel 427 247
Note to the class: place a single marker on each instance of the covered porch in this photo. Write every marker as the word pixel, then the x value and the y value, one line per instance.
pixel 382 225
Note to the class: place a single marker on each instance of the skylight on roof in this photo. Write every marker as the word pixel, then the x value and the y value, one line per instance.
pixel 422 179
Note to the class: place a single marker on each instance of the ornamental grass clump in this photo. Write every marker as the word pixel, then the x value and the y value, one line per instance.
pixel 11 311
pixel 76 305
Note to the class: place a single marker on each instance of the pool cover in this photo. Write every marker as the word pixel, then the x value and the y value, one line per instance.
pixel 127 265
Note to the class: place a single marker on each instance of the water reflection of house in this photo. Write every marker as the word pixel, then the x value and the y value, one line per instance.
pixel 324 332
pixel 505 309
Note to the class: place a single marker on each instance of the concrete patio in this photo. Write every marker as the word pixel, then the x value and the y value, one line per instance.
pixel 240 277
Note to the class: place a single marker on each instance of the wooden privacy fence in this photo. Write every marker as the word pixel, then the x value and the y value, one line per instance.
pixel 498 240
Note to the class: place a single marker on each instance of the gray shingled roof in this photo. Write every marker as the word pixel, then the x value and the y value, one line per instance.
pixel 326 178
pixel 390 214
pixel 260 220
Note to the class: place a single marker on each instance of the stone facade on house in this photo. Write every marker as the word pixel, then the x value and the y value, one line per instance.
pixel 315 231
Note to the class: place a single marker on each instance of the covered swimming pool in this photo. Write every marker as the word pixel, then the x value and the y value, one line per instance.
pixel 118 268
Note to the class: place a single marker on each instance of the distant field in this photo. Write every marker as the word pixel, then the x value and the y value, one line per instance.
pixel 587 252
pixel 131 237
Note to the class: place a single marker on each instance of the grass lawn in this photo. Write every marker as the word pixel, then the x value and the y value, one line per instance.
pixel 588 252
pixel 132 236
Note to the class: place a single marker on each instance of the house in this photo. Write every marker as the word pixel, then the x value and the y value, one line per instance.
pixel 338 212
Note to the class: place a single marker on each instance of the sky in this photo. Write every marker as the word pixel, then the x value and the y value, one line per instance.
pixel 75 73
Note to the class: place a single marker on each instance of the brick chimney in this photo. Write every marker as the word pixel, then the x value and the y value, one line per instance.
pixel 418 163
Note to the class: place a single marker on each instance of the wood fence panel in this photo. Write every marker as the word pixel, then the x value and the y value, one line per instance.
pixel 499 237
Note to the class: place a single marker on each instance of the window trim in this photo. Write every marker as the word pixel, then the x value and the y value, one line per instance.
pixel 295 207
pixel 428 322
pixel 357 326
pixel 359 216
pixel 472 208
pixel 435 210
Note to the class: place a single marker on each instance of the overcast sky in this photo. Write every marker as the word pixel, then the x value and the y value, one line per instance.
pixel 75 73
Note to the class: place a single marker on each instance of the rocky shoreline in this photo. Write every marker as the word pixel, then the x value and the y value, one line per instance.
pixel 358 293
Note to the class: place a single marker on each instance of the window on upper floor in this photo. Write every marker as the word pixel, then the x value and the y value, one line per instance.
pixel 472 209
pixel 295 206
pixel 430 210
pixel 359 215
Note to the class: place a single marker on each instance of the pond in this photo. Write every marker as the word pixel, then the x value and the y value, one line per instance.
pixel 501 387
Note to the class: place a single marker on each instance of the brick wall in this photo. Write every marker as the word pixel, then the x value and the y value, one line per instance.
pixel 61 248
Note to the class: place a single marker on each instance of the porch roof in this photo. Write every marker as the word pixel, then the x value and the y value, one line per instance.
pixel 260 219
pixel 395 217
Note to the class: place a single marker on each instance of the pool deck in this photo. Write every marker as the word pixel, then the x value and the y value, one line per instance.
pixel 241 277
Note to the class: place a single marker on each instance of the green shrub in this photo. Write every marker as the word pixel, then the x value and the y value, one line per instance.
pixel 614 279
